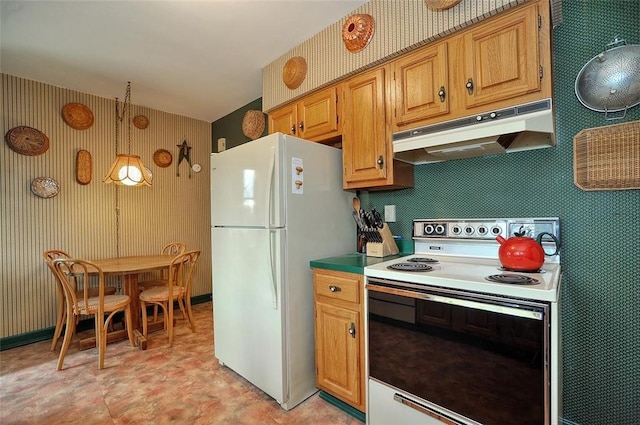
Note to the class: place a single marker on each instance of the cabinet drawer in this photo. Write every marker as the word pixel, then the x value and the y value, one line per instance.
pixel 337 285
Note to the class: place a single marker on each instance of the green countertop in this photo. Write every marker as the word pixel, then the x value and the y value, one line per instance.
pixel 352 263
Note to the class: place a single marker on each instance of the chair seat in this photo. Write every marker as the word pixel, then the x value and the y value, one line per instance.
pixel 94 292
pixel 111 303
pixel 160 293
pixel 151 283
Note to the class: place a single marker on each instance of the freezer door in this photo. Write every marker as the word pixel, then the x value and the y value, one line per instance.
pixel 248 306
pixel 246 184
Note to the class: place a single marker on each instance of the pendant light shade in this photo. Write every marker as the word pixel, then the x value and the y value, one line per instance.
pixel 128 170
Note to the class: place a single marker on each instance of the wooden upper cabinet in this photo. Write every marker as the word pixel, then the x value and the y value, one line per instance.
pixel 315 117
pixel 502 57
pixel 421 83
pixel 283 120
pixel 318 114
pixel 365 147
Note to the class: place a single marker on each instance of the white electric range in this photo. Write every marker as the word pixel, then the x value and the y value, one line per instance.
pixel 467 334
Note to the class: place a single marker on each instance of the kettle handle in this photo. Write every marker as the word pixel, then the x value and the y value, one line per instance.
pixel 555 240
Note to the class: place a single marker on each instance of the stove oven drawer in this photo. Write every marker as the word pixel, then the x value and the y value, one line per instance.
pixel 338 285
pixel 390 406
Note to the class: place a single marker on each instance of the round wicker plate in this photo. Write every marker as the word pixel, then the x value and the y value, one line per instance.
pixel 77 116
pixel 294 72
pixel 357 32
pixel 45 187
pixel 441 4
pixel 162 158
pixel 141 121
pixel 27 141
pixel 253 124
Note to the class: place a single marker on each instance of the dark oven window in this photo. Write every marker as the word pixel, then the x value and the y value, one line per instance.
pixel 484 365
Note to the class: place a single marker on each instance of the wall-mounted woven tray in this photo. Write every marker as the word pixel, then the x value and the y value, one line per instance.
pixel 607 158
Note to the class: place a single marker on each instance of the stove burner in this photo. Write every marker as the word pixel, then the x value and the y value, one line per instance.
pixel 516 279
pixel 506 269
pixel 410 267
pixel 422 260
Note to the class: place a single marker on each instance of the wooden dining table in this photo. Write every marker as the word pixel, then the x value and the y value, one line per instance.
pixel 130 267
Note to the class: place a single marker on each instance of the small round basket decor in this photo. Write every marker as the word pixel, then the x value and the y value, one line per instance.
pixel 27 141
pixel 441 4
pixel 162 158
pixel 357 32
pixel 45 187
pixel 294 72
pixel 141 121
pixel 77 116
pixel 253 124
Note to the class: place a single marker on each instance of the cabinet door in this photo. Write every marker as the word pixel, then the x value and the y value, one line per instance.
pixel 283 120
pixel 421 85
pixel 365 145
pixel 502 58
pixel 338 352
pixel 318 115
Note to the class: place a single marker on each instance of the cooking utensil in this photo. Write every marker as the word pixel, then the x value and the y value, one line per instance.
pixel 524 254
pixel 610 81
pixel 377 218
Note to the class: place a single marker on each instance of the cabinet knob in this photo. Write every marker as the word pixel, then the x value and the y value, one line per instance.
pixel 380 162
pixel 469 85
pixel 352 330
pixel 334 288
pixel 301 125
pixel 442 93
pixel 293 129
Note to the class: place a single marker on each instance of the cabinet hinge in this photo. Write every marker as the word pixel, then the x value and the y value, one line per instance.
pixel 539 21
pixel 541 72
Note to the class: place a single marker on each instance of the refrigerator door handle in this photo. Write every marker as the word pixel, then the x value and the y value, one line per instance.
pixel 272 165
pixel 274 289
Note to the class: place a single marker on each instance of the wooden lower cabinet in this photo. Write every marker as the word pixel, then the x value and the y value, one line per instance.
pixel 339 335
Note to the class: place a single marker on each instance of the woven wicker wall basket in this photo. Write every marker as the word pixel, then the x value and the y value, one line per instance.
pixel 441 4
pixel 607 158
pixel 253 124
pixel 294 72
pixel 77 116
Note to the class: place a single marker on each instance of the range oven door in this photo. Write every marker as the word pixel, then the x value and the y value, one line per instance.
pixel 468 358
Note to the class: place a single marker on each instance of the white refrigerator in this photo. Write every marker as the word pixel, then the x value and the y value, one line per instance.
pixel 276 203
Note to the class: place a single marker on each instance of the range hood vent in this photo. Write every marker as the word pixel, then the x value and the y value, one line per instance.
pixel 514 129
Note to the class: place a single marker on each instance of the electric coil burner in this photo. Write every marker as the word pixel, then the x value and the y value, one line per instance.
pixel 517 279
pixel 411 267
pixel 422 260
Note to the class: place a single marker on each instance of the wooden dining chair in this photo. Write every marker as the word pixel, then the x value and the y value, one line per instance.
pixel 75 273
pixel 178 289
pixel 49 257
pixel 173 248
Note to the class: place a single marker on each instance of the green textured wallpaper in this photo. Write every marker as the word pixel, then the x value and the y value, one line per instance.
pixel 600 230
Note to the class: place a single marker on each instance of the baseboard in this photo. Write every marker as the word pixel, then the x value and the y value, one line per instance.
pixel 343 406
pixel 47 333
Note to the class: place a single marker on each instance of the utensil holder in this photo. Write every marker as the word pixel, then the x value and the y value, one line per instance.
pixel 386 247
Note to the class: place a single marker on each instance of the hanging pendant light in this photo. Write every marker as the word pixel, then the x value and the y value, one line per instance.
pixel 128 169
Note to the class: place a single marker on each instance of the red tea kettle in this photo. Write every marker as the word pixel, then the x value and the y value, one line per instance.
pixel 523 254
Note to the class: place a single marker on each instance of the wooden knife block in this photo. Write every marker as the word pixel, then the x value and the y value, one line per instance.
pixel 386 247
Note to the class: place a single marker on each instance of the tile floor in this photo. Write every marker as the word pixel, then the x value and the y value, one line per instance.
pixel 162 385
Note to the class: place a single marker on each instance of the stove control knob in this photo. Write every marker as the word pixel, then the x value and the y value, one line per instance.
pixel 456 230
pixel 482 230
pixel 468 230
pixel 440 229
pixel 496 230
pixel 493 115
pixel 428 229
pixel 478 117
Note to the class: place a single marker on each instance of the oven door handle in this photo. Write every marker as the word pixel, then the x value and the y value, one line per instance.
pixel 424 409
pixel 495 308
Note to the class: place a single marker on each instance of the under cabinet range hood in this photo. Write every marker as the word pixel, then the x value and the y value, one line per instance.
pixel 518 128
